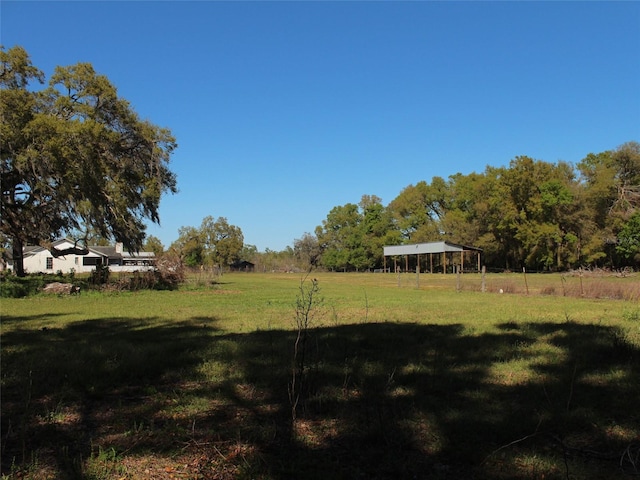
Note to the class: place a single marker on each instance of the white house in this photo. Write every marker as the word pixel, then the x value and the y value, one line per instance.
pixel 39 259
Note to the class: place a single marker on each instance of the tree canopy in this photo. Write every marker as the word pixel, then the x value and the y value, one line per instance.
pixel 534 214
pixel 215 243
pixel 75 157
pixel 352 236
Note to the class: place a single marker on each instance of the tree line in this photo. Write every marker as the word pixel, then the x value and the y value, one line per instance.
pixel 534 214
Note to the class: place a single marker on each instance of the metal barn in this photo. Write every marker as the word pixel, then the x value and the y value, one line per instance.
pixel 441 255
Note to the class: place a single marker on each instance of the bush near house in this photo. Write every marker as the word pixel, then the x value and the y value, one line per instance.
pixel 18 287
pixel 167 276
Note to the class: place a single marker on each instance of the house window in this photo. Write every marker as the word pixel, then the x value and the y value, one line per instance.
pixel 77 261
pixel 49 263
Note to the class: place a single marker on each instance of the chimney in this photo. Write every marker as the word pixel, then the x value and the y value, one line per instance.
pixel 118 247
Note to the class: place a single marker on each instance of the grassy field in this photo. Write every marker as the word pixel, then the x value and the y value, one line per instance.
pixel 397 376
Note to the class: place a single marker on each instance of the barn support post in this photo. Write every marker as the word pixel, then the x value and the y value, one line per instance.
pixel 462 261
pixel 431 263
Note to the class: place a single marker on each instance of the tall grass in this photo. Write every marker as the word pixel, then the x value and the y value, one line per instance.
pixel 402 380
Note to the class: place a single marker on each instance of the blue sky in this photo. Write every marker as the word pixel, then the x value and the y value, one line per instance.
pixel 283 110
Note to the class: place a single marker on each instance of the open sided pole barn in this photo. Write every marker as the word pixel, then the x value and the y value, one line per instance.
pixel 442 250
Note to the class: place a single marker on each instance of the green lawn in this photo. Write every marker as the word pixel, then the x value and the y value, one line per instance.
pixel 404 377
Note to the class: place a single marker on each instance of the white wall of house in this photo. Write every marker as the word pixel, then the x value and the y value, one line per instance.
pixel 42 261
pixel 37 262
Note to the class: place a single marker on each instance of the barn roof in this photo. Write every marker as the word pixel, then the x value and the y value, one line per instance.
pixel 428 247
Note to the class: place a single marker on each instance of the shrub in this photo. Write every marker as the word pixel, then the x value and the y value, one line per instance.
pixel 100 275
pixel 18 287
pixel 13 289
pixel 170 272
pixel 548 290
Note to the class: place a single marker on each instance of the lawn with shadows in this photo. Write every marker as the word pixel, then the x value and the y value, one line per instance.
pixel 183 392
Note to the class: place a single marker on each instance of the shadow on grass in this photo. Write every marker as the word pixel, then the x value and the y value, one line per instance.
pixel 385 400
pixel 62 386
pixel 24 320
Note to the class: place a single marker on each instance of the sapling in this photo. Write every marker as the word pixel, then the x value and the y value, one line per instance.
pixel 307 304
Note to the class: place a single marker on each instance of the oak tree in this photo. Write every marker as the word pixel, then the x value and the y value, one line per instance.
pixel 222 241
pixel 75 157
pixel 215 243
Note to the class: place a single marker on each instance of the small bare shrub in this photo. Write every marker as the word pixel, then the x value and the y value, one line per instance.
pixel 203 277
pixel 548 290
pixel 170 270
pixel 308 303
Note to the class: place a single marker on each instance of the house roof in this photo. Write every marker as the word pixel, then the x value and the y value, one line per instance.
pixel 29 250
pixel 109 251
pixel 428 247
pixel 112 252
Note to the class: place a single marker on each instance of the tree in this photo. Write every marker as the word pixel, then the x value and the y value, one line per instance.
pixel 338 237
pixel 189 246
pixel 153 244
pixel 352 236
pixel 462 218
pixel 419 209
pixel 216 242
pixel 307 250
pixel 377 229
pixel 626 159
pixel 75 157
pixel 611 189
pixel 271 260
pixel 222 241
pixel 629 239
pixel 414 214
pixel 248 252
